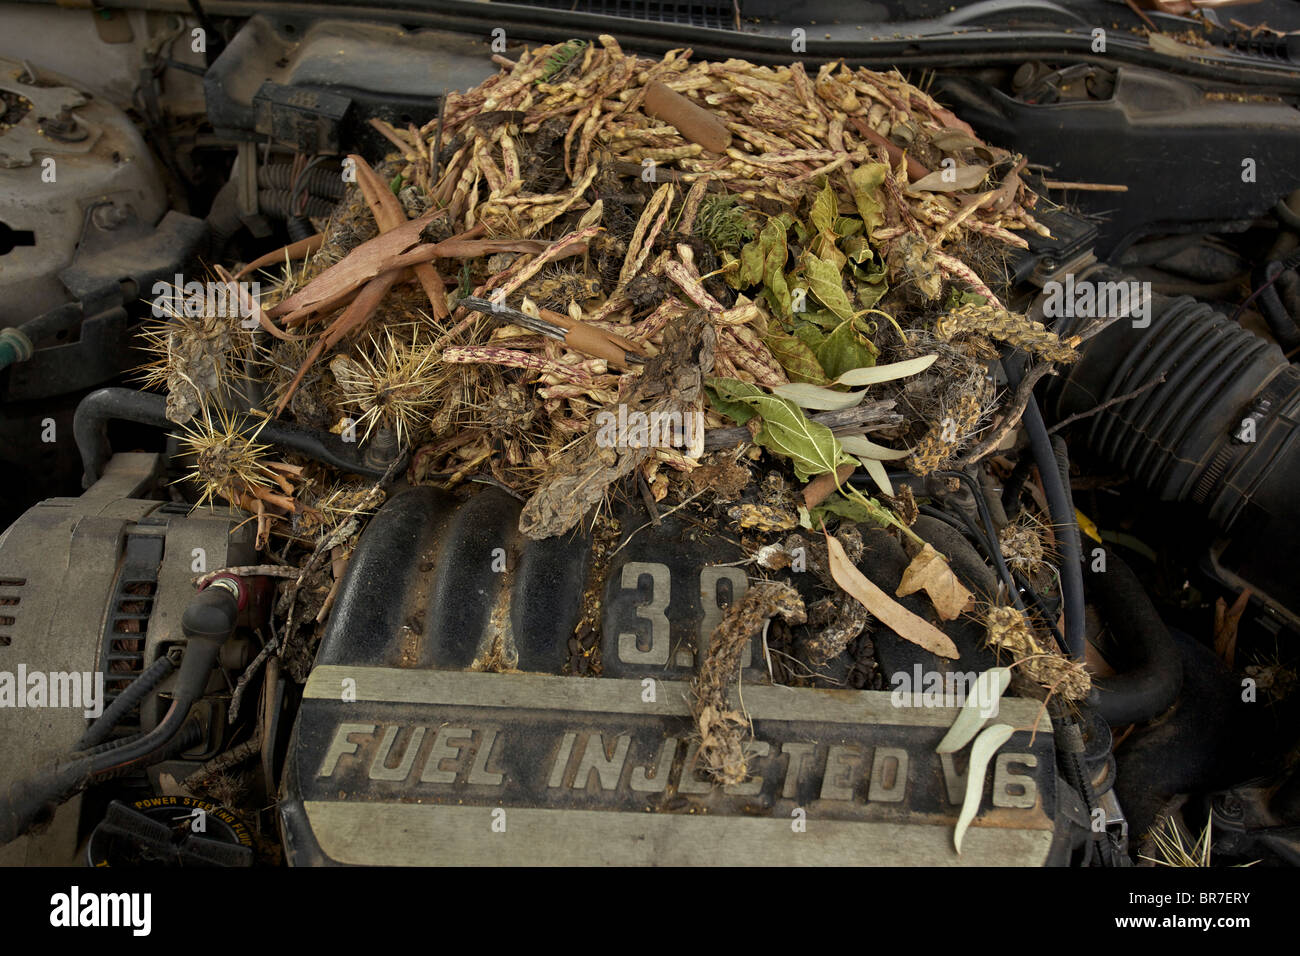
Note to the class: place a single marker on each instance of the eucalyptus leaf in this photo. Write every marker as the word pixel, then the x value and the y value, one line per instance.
pixel 989 688
pixel 986 745
pixel 950 139
pixel 866 448
pixel 875 374
pixel 822 399
pixel 878 474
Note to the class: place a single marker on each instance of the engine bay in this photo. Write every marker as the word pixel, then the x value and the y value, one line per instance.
pixel 432 439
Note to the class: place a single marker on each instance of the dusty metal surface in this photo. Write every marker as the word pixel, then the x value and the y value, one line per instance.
pixel 397 766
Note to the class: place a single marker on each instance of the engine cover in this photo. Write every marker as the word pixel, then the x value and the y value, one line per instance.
pixel 437 728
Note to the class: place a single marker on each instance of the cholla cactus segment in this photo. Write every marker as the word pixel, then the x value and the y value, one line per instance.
pixel 1007 629
pixel 197 348
pixel 391 382
pixel 229 463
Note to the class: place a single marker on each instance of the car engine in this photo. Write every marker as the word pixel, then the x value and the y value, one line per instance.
pixel 342 528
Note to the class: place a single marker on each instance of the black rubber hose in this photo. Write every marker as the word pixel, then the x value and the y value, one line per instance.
pixel 1011 490
pixel 1150 667
pixel 1286 216
pixel 1072 542
pixel 208 622
pixel 321 181
pixel 279 204
pixel 1280 322
pixel 299 228
pixel 1059 508
pixel 135 692
pixel 96 410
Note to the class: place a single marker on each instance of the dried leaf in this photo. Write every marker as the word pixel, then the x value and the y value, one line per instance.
pixel 890 613
pixel 796 357
pixel 820 488
pixel 866 182
pixel 950 140
pixel 824 282
pixel 950 180
pixel 929 572
pixel 975 711
pixel 986 745
pixel 358 267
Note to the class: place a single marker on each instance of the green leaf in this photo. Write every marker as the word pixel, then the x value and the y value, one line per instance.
pixel 824 319
pixel 878 474
pixel 959 297
pixel 824 247
pixel 866 182
pixel 846 226
pixel 763 261
pixel 870 293
pixel 986 745
pixel 849 509
pixel 727 396
pixel 777 292
pixel 786 431
pixel 845 350
pixel 795 356
pixel 751 265
pixel 857 249
pixel 824 282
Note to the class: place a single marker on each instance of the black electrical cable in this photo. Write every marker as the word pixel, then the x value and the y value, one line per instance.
pixel 96 410
pixel 1059 508
pixel 136 691
pixel 208 622
pixel 989 537
pixel 941 515
pixel 1045 612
